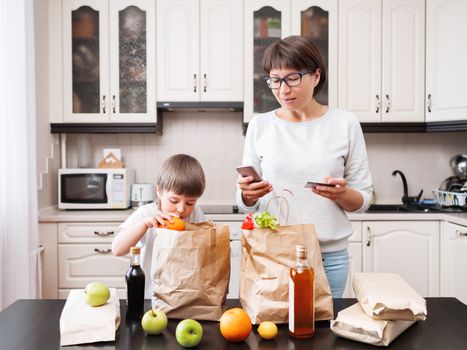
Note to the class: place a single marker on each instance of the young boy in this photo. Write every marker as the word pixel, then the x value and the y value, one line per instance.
pixel 180 183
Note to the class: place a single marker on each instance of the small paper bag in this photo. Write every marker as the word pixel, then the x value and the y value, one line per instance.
pixel 81 323
pixel 267 256
pixel 353 323
pixel 191 271
pixel 387 296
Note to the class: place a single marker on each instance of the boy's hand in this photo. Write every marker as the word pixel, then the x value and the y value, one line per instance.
pixel 158 219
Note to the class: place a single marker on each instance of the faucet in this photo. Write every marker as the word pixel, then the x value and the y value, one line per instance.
pixel 406 199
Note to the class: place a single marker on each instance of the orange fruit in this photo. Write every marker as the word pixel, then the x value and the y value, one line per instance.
pixel 235 325
pixel 177 224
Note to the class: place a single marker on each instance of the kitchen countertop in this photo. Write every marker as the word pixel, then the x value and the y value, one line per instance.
pixel 53 214
pixel 34 324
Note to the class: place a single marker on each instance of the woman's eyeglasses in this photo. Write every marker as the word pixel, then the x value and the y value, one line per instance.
pixel 291 80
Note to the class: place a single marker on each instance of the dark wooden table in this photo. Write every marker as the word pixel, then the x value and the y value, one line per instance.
pixel 34 324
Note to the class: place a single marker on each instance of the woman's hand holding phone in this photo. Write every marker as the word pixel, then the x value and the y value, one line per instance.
pixel 251 185
pixel 333 188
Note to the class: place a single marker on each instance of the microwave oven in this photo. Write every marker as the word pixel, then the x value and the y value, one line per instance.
pixel 94 188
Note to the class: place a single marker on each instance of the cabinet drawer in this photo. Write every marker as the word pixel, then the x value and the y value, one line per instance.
pixel 80 264
pixel 63 293
pixel 87 232
pixel 235 231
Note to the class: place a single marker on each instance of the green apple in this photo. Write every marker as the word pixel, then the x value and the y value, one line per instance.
pixel 96 293
pixel 189 333
pixel 154 321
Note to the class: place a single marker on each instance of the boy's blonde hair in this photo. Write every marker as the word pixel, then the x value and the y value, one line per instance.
pixel 183 175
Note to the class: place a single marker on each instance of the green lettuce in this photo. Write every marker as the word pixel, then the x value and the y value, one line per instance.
pixel 266 220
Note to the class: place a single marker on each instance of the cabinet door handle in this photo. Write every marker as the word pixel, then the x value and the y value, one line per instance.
pixel 428 103
pixel 368 242
pixel 113 103
pixel 103 234
pixel 103 251
pixel 195 83
pixel 205 82
pixel 388 103
pixel 461 234
pixel 103 104
pixel 378 103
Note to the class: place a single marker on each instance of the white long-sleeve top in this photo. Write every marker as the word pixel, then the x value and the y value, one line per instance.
pixel 288 154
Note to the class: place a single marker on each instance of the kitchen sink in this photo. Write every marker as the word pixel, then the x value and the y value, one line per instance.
pixel 388 208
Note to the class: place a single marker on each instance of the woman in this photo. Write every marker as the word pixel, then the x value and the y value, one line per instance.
pixel 305 141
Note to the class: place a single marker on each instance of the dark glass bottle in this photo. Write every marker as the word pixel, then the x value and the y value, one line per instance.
pixel 301 297
pixel 135 287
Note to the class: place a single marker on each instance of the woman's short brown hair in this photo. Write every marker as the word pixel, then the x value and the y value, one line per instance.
pixel 295 52
pixel 183 175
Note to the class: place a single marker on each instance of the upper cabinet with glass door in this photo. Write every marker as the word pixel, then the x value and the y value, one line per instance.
pixel 109 61
pixel 267 22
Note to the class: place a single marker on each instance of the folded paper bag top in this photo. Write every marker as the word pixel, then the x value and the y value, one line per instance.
pixel 81 323
pixel 387 296
pixel 353 323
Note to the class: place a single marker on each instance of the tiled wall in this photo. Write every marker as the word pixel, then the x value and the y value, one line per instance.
pixel 216 140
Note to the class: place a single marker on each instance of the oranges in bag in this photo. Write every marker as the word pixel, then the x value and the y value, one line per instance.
pixel 235 325
pixel 177 224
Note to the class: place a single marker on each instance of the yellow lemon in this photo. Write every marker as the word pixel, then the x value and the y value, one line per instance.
pixel 267 330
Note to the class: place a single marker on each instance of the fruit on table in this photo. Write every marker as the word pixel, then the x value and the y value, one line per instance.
pixel 189 333
pixel 96 293
pixel 267 330
pixel 177 224
pixel 154 321
pixel 235 324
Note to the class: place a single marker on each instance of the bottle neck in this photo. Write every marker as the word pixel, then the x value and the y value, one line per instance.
pixel 135 260
pixel 301 260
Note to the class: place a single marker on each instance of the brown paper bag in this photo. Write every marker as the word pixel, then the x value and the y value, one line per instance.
pixel 387 296
pixel 267 256
pixel 191 271
pixel 353 323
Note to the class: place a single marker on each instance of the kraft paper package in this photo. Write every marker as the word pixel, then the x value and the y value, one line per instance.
pixel 81 323
pixel 191 271
pixel 267 256
pixel 353 323
pixel 387 296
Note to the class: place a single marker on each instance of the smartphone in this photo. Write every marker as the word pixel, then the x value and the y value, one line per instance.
pixel 249 171
pixel 311 184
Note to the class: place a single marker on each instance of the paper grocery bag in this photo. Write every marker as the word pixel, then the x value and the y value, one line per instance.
pixel 387 296
pixel 267 256
pixel 191 271
pixel 353 323
pixel 81 323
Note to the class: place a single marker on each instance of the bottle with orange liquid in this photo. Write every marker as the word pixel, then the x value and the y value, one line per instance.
pixel 301 297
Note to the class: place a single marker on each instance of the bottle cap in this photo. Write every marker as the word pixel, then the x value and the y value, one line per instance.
pixel 135 250
pixel 300 249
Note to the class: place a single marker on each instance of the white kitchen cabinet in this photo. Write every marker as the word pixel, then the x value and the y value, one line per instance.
pixel 454 261
pixel 267 21
pixel 446 57
pixel 109 61
pixel 355 257
pixel 199 50
pixel 408 248
pixel 382 59
pixel 77 253
pixel 49 260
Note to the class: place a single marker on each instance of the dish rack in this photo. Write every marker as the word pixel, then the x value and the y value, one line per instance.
pixel 450 199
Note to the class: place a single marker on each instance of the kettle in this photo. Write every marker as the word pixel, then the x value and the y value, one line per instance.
pixel 142 194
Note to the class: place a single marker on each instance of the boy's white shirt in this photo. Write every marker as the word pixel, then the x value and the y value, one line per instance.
pixel 289 154
pixel 147 241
